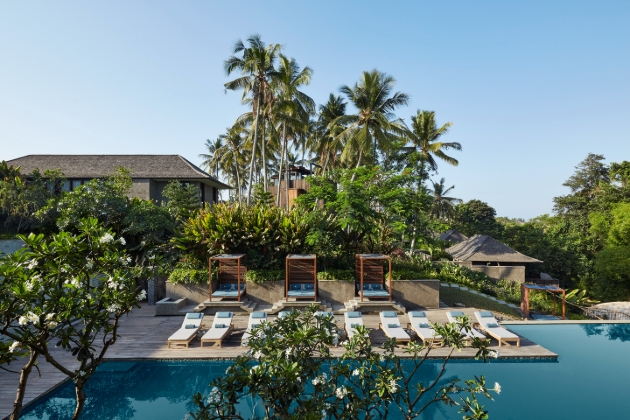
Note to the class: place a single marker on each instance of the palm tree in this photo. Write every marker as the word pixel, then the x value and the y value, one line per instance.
pixel 442 207
pixel 256 64
pixel 424 136
pixel 211 159
pixel 232 155
pixel 326 145
pixel 373 125
pixel 293 107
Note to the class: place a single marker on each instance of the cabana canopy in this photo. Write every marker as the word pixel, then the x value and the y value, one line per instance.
pixel 527 287
pixel 231 276
pixel 301 280
pixel 369 276
pixel 486 249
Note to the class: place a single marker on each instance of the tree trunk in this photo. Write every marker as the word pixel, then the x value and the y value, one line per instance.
pixel 413 237
pixel 286 176
pixel 24 374
pixel 358 165
pixel 284 145
pixel 251 167
pixel 238 183
pixel 80 400
pixel 264 155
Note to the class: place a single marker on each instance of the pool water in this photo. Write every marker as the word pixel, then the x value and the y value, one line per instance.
pixel 588 381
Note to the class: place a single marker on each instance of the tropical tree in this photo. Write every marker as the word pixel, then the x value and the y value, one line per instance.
pixel 425 146
pixel 212 158
pixel 256 64
pixel 233 155
pixel 327 145
pixel 293 108
pixel 373 125
pixel 442 205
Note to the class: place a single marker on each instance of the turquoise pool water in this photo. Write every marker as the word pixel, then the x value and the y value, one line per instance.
pixel 588 381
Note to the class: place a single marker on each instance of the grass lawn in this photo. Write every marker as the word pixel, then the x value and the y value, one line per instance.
pixel 452 295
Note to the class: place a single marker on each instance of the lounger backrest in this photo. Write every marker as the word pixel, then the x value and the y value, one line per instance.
pixel 389 317
pixel 192 318
pixel 485 317
pixel 222 318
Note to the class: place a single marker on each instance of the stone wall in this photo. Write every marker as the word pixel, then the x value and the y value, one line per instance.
pixel 268 292
pixel 140 188
pixel 9 246
pixel 335 291
pixel 511 272
pixel 195 293
pixel 416 294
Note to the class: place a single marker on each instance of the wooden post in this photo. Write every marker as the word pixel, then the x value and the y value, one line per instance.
pixel 564 304
pixel 391 290
pixel 238 280
pixel 361 274
pixel 210 279
pixel 286 286
pixel 315 278
pixel 554 304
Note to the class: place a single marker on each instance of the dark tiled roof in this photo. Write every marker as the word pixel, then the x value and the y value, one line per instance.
pixel 99 166
pixel 484 248
pixel 454 236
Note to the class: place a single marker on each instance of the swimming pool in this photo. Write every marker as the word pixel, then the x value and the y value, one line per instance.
pixel 589 380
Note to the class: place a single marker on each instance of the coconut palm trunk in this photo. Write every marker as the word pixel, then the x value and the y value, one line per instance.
pixel 264 155
pixel 284 145
pixel 253 162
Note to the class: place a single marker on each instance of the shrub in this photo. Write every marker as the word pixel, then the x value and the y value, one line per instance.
pixel 261 276
pixel 186 273
pixel 345 275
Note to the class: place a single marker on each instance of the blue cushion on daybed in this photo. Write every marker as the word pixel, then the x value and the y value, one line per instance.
pixel 225 286
pixel 375 293
pixel 295 286
pixel 377 287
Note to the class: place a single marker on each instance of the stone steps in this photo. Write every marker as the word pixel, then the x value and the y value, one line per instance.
pixel 245 305
pixel 355 305
pixel 287 305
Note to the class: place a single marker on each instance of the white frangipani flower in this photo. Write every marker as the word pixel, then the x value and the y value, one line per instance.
pixel 341 392
pixel 14 345
pixel 497 388
pixel 122 241
pixel 107 238
pixel 356 372
pixel 32 264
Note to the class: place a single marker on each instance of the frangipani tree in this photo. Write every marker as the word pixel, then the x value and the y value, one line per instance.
pixel 69 291
pixel 291 373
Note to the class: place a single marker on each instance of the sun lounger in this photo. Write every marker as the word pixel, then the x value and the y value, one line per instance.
pixel 188 330
pixel 351 321
pixel 419 322
pixel 255 318
pixel 282 314
pixel 221 326
pixel 489 324
pixel 473 333
pixel 390 324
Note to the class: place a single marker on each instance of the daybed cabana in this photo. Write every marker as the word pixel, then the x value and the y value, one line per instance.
pixel 301 276
pixel 370 278
pixel 231 276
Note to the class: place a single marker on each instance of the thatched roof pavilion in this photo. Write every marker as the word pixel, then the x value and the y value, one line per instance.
pixel 452 235
pixel 483 249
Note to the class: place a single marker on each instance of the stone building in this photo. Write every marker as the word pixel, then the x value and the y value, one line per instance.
pixel 150 173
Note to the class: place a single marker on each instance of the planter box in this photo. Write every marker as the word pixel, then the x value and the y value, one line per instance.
pixel 168 306
pixel 335 291
pixel 195 293
pixel 416 294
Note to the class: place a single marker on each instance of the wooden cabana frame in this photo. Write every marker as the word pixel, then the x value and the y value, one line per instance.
pixel 552 288
pixel 301 269
pixel 231 271
pixel 369 269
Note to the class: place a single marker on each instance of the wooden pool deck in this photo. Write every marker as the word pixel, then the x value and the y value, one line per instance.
pixel 144 336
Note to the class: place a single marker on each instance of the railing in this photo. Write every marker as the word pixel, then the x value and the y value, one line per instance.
pixel 541 282
pixel 608 314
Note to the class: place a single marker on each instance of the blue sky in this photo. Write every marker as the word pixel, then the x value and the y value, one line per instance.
pixel 531 86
